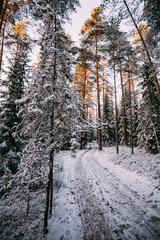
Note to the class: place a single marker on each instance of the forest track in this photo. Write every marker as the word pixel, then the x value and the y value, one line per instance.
pixel 94 223
pixel 109 208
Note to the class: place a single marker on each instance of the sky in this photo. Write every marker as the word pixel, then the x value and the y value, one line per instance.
pixel 78 18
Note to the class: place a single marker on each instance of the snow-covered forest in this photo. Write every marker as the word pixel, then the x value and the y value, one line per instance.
pixel 79 122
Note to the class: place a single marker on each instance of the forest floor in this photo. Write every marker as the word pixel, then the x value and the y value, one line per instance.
pixel 102 195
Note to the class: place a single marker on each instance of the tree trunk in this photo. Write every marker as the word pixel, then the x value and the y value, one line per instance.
pixel 81 145
pixel 83 96
pixel 130 104
pixel 2 44
pixel 116 115
pixel 98 100
pixel 103 94
pixel 103 88
pixel 47 206
pixel 84 91
pixel 145 47
pixel 123 105
pixel 51 161
pixel 49 196
pixel 51 181
pixel 3 13
pixel 1 7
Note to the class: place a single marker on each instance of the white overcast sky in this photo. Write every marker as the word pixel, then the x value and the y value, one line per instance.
pixel 78 18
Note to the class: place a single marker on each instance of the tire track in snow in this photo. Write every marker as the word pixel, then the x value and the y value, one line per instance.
pixel 93 220
pixel 120 199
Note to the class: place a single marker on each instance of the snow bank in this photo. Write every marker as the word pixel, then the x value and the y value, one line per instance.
pixel 141 162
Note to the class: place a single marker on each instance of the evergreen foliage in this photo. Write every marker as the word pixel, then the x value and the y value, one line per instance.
pixel 149 113
pixel 84 85
pixel 49 95
pixel 93 33
pixel 10 139
pixel 151 13
pixel 51 111
pixel 121 125
pixel 108 134
pixel 127 120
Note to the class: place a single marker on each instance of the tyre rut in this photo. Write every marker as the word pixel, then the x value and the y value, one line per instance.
pixel 94 223
pixel 130 201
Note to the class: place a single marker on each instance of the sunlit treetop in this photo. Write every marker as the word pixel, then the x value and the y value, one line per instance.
pixel 144 29
pixel 20 29
pixel 92 23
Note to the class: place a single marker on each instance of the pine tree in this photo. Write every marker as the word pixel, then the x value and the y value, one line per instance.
pixel 124 121
pixel 108 121
pixel 50 112
pixel 146 48
pixel 135 118
pixel 10 13
pixel 93 32
pixel 151 13
pixel 9 139
pixel 110 48
pixel 149 113
pixel 83 85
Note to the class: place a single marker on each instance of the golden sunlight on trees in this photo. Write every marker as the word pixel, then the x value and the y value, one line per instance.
pixel 20 29
pixel 137 43
pixel 93 32
pixel 144 29
pixel 8 14
pixel 83 85
pixel 37 63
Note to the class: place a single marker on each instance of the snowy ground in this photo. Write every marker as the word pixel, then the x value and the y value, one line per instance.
pixel 102 195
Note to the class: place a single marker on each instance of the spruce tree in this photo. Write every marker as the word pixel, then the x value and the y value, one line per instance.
pixel 10 139
pixel 50 112
pixel 149 113
pixel 108 121
pixel 151 13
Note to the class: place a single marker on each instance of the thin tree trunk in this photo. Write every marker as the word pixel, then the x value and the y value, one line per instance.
pixel 49 196
pixel 28 201
pixel 1 7
pixel 51 181
pixel 103 94
pixel 123 105
pixel 155 134
pixel 145 47
pixel 2 44
pixel 3 14
pixel 116 114
pixel 81 145
pixel 87 112
pixel 52 121
pixel 51 163
pixel 84 91
pixel 83 96
pixel 130 104
pixel 132 83
pixel 47 206
pixel 98 100
pixel 103 89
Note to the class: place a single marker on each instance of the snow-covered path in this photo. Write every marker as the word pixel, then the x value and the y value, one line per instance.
pixel 95 226
pixel 100 200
